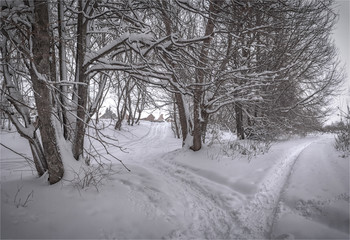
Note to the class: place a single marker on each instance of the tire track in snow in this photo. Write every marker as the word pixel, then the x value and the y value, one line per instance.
pixel 155 134
pixel 317 208
pixel 205 216
pixel 128 142
pixel 212 217
pixel 257 216
pixel 152 139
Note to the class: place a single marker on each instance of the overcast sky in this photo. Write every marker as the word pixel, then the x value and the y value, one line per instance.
pixel 342 41
pixel 342 31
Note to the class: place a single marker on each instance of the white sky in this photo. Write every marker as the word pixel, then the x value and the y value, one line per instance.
pixel 342 41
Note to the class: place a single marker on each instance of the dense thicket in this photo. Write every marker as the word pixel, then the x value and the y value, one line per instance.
pixel 259 68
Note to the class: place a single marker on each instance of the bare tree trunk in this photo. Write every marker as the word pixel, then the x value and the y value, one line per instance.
pixel 120 112
pixel 43 94
pixel 203 60
pixel 138 100
pixel 184 121
pixel 130 116
pixel 16 99
pixel 177 133
pixel 97 102
pixel 142 103
pixel 239 121
pixel 197 131
pixel 38 156
pixel 63 95
pixel 121 117
pixel 78 143
pixel 205 117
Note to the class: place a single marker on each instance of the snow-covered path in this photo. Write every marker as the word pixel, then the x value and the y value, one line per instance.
pixel 194 207
pixel 314 203
pixel 211 205
pixel 201 211
pixel 176 193
pixel 258 215
pixel 210 201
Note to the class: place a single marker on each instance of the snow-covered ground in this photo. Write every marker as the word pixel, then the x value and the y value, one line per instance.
pixel 299 189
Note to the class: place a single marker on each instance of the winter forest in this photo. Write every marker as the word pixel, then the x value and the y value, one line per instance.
pixel 239 149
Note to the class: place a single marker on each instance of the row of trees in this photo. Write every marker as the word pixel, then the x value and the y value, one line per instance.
pixel 263 65
pixel 271 65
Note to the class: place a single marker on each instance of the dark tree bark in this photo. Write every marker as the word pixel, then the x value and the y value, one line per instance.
pixel 43 95
pixel 82 93
pixel 177 132
pixel 203 60
pixel 184 121
pixel 239 121
pixel 63 95
pixel 205 117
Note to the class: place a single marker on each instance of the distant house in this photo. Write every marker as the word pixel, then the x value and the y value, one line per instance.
pixel 109 114
pixel 152 118
pixel 161 118
pixel 149 118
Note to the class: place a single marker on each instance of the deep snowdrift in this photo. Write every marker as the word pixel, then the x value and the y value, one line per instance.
pixel 299 189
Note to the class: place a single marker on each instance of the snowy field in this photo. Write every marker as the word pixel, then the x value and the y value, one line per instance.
pixel 298 190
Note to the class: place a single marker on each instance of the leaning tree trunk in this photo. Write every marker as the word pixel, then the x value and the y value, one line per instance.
pixel 40 66
pixel 15 99
pixel 38 156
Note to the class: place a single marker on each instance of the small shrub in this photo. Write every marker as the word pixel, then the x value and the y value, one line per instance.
pixel 91 176
pixel 342 139
pixel 19 202
pixel 248 148
pixel 214 134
